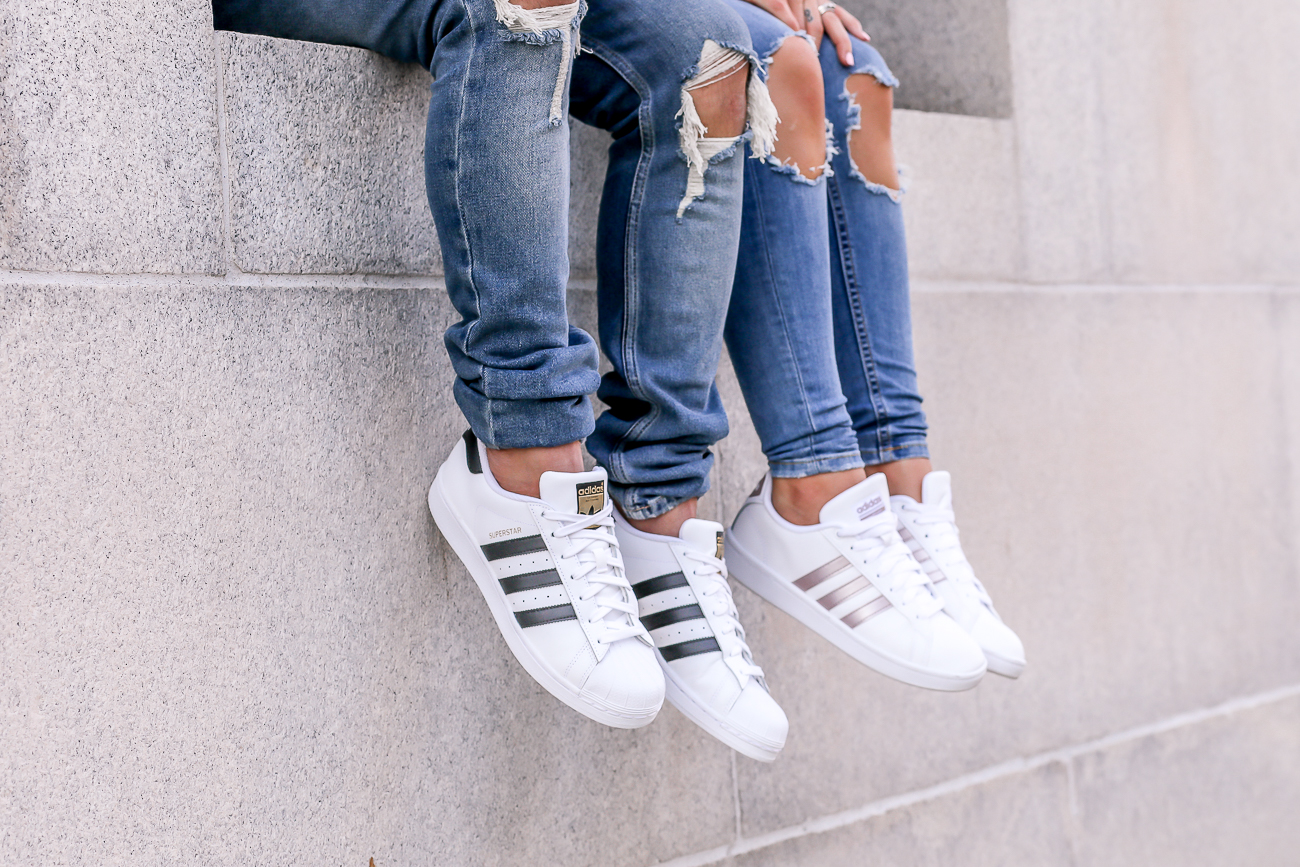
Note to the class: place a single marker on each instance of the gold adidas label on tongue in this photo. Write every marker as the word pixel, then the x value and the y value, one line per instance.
pixel 591 497
pixel 720 545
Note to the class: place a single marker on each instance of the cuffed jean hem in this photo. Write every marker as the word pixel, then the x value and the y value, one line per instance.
pixel 873 454
pixel 526 424
pixel 639 507
pixel 801 469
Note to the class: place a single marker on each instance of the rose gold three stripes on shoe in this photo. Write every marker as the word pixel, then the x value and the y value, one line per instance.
pixel 922 556
pixel 854 588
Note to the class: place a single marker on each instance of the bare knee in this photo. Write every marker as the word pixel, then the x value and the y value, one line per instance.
pixel 795 82
pixel 720 101
pixel 871 145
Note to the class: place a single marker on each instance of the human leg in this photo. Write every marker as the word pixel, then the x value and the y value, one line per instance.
pixel 672 83
pixel 779 325
pixel 874 347
pixel 544 554
pixel 817 538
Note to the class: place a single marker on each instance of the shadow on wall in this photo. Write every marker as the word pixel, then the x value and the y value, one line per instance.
pixel 950 55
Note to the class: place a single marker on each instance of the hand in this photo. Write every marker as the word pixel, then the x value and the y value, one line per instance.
pixel 837 23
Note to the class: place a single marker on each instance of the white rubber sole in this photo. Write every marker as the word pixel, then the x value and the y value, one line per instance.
pixel 1004 667
pixel 460 540
pixel 680 697
pixel 757 577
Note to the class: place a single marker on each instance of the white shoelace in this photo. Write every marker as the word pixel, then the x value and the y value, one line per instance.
pixel 593 545
pixel 946 545
pixel 877 541
pixel 714 595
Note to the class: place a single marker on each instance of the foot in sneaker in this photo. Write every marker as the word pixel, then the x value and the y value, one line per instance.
pixel 553 578
pixel 852 580
pixel 685 602
pixel 930 529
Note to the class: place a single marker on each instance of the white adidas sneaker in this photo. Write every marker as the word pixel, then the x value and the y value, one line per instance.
pixel 853 581
pixel 553 578
pixel 686 604
pixel 930 530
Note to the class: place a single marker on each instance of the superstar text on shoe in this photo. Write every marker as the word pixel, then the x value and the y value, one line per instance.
pixel 930 530
pixel 685 602
pixel 552 575
pixel 852 580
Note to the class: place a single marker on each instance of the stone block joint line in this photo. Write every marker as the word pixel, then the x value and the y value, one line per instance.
pixel 1062 755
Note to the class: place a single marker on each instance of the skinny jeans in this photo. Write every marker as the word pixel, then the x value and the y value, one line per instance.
pixel 820 328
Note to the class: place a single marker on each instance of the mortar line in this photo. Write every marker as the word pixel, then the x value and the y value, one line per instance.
pixel 223 151
pixel 237 277
pixel 990 774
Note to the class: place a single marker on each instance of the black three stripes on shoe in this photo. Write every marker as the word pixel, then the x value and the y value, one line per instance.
pixel 669 616
pixel 529 580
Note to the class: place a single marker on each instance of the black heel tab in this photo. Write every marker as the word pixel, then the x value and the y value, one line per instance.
pixel 471 453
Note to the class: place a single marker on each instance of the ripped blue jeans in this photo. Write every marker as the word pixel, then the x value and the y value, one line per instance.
pixel 497 170
pixel 820 327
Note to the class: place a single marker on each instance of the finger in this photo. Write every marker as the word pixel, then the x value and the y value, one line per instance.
pixel 813 22
pixel 839 38
pixel 781 10
pixel 851 23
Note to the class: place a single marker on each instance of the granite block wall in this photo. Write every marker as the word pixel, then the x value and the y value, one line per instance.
pixel 229 631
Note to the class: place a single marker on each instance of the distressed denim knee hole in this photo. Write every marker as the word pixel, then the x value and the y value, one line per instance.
pixel 717 61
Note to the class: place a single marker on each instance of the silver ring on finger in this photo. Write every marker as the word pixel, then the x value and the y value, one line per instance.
pixel 826 7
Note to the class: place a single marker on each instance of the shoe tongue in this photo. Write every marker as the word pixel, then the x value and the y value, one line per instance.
pixel 575 493
pixel 935 486
pixel 703 536
pixel 865 500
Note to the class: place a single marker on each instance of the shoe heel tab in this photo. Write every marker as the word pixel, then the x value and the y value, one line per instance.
pixel 761 489
pixel 472 459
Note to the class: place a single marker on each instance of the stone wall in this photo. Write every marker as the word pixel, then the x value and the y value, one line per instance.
pixel 230 633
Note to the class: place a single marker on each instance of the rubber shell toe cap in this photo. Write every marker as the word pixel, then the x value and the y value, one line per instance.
pixel 628 680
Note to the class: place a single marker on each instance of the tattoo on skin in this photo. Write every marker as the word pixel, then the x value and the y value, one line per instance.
pixel 807 15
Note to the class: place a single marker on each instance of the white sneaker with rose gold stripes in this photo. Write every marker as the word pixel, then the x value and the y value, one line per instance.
pixel 685 602
pixel 853 581
pixel 930 530
pixel 552 575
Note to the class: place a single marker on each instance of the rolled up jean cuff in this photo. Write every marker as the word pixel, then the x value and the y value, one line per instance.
pixel 800 469
pixel 873 454
pixel 525 424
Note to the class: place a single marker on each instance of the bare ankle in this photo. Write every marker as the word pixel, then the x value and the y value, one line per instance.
pixel 670 522
pixel 905 476
pixel 800 501
pixel 520 470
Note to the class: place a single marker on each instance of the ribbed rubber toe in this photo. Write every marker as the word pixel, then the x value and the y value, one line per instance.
pixel 627 681
pixel 758 715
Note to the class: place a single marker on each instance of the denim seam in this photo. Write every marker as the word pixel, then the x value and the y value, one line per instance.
pixel 631 285
pixel 785 322
pixel 849 274
pixel 461 222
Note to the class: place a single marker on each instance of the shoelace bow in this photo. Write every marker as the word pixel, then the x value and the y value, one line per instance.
pixel 714 591
pixel 878 540
pixel 593 545
pixel 946 547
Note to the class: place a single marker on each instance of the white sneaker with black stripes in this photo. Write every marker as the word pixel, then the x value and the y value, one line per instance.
pixel 852 580
pixel 552 575
pixel 930 529
pixel 685 603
